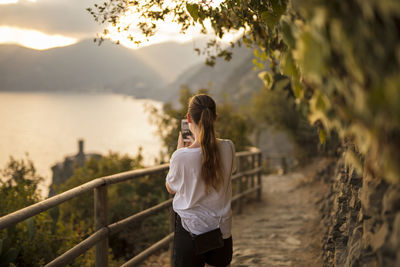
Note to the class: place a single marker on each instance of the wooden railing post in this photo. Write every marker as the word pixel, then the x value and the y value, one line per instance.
pixel 284 165
pixel 259 183
pixel 100 220
pixel 253 166
pixel 239 186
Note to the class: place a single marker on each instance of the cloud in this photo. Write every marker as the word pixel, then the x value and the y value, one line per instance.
pixel 33 39
pixel 65 17
pixel 6 2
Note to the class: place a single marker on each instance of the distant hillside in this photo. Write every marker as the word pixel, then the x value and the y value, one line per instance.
pixel 80 67
pixel 156 71
pixel 235 79
pixel 170 59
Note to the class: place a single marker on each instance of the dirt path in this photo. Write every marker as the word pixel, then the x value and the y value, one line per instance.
pixel 282 229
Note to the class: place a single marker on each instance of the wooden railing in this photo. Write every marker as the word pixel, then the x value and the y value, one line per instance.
pixel 246 180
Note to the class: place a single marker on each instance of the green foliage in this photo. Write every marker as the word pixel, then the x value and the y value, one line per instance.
pixel 39 239
pixel 18 185
pixel 193 10
pixel 42 238
pixel 342 58
pixel 231 124
pixel 276 108
pixel 81 207
pixel 8 254
pixel 124 199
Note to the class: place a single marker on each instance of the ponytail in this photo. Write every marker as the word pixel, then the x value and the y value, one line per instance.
pixel 202 110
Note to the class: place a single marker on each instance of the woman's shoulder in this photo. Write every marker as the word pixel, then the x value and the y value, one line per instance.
pixel 225 142
pixel 226 146
pixel 183 152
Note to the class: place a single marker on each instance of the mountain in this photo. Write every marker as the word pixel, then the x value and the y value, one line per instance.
pixel 235 79
pixel 157 71
pixel 81 67
pixel 170 59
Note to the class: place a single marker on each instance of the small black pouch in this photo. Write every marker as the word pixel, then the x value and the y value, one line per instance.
pixel 207 241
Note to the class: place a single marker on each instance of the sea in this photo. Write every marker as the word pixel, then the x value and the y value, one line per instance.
pixel 46 126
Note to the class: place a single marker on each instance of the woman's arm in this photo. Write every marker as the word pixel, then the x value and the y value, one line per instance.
pixel 169 189
pixel 173 170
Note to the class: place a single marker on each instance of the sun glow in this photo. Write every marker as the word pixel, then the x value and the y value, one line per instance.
pixel 6 2
pixel 167 31
pixel 32 38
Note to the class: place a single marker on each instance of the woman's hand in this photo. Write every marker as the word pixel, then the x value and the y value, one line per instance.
pixel 182 143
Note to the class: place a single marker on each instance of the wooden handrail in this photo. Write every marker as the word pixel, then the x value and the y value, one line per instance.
pixel 79 249
pixel 129 175
pixel 251 151
pixel 117 226
pixel 102 233
pixel 149 251
pixel 246 173
pixel 25 213
pixel 103 229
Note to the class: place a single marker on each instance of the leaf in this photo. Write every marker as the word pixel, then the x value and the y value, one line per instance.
pixel 202 15
pixel 287 66
pixel 310 54
pixel 263 56
pixel 256 54
pixel 270 18
pixel 322 136
pixel 193 10
pixel 281 82
pixel 297 89
pixel 279 7
pixel 267 79
pixel 320 103
pixel 30 224
pixel 287 34
pixel 255 62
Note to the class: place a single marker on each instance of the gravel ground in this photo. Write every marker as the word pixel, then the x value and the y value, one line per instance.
pixel 283 229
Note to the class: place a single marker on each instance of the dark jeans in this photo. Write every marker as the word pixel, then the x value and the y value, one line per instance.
pixel 184 255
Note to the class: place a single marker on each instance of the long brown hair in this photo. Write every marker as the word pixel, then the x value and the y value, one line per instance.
pixel 202 110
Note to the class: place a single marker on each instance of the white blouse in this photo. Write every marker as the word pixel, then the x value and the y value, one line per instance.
pixel 201 212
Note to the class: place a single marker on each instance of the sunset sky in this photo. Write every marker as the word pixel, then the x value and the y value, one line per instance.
pixel 43 24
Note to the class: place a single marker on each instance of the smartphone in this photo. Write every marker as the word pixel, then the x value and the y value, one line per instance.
pixel 185 130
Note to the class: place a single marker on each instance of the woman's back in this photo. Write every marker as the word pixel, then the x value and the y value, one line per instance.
pixel 199 176
pixel 199 210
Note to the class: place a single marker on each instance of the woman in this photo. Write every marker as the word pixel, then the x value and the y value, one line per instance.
pixel 199 176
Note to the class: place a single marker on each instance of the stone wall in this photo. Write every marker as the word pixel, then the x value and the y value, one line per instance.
pixel 361 216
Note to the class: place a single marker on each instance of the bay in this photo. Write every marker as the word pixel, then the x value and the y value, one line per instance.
pixel 48 126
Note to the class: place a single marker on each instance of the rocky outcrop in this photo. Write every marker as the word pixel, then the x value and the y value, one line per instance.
pixel 361 216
